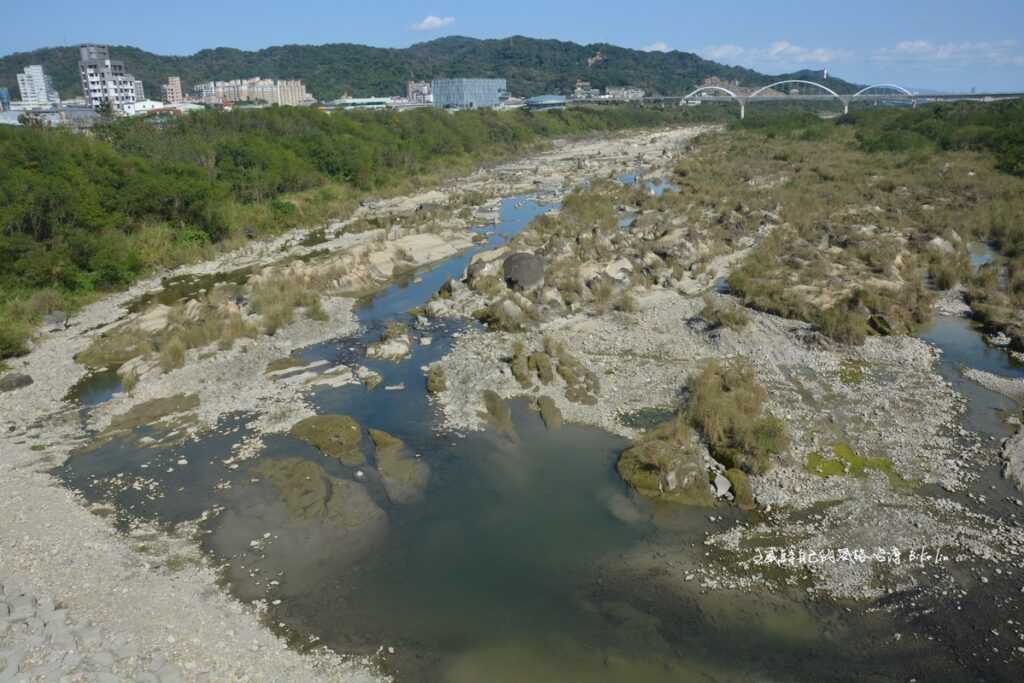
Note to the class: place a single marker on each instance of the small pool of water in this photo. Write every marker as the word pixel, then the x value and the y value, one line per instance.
pixel 655 187
pixel 980 254
pixel 963 347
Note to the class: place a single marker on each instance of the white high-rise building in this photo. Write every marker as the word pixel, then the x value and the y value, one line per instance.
pixel 172 91
pixel 105 81
pixel 140 90
pixel 36 88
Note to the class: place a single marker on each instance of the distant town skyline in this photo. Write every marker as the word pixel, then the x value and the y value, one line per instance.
pixel 918 43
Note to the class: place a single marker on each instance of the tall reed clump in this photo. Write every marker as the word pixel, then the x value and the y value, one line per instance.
pixel 726 404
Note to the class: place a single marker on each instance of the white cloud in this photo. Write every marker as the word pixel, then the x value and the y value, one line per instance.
pixel 432 23
pixel 781 52
pixel 1000 53
pixel 656 46
pixel 721 53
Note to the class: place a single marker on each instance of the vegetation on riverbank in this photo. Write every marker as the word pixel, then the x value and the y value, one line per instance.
pixel 872 212
pixel 85 215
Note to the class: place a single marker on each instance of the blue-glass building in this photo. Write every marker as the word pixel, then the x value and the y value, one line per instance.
pixel 5 99
pixel 469 93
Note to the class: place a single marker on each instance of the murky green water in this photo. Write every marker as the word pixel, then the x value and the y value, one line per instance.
pixel 512 565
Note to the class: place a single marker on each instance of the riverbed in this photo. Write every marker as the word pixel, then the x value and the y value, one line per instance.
pixel 500 568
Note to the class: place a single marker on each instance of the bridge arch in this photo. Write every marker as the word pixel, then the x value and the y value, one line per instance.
pixel 728 92
pixel 830 91
pixel 891 86
pixel 842 100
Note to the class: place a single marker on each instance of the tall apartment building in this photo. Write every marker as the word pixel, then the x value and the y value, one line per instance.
pixel 172 90
pixel 285 93
pixel 5 99
pixel 419 92
pixel 469 93
pixel 36 88
pixel 105 81
pixel 140 90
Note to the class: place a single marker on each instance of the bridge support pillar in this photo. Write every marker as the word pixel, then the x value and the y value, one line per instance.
pixel 743 110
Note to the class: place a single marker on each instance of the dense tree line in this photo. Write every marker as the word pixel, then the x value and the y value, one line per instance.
pixel 997 128
pixel 73 207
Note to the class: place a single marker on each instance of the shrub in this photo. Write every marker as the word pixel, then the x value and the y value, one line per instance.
pixel 723 313
pixel 172 354
pixel 14 338
pixel 726 404
pixel 437 381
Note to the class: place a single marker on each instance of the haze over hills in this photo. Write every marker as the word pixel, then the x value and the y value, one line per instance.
pixel 532 66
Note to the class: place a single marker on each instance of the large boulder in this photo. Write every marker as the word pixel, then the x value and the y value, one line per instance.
pixel 13 381
pixel 523 272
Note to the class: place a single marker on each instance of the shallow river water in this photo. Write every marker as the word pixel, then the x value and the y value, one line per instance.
pixel 505 569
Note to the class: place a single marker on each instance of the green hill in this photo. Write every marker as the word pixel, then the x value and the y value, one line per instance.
pixel 532 66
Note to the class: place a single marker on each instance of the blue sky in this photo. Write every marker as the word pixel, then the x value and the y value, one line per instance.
pixel 918 43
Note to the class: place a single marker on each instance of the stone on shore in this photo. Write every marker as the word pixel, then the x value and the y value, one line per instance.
pixel 14 380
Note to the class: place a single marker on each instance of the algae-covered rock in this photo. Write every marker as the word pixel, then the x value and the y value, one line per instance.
pixel 337 436
pixel 311 495
pixel 549 412
pixel 666 471
pixel 741 490
pixel 404 475
pixel 498 413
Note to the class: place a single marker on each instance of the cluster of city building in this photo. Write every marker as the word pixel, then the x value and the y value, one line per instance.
pixel 624 93
pixel 109 88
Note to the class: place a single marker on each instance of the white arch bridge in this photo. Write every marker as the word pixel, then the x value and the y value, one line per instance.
pixel 769 93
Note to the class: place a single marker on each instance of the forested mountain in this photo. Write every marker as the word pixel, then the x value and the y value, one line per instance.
pixel 532 66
